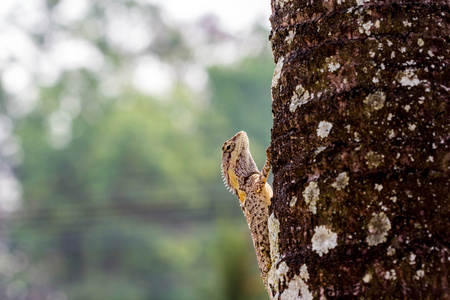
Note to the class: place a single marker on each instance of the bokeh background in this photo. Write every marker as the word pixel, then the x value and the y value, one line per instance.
pixel 112 118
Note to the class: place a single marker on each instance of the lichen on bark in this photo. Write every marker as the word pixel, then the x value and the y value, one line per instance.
pixel 362 114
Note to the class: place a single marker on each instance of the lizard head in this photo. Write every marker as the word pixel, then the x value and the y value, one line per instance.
pixel 237 162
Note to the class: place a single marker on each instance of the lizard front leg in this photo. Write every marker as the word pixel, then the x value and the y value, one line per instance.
pixel 266 168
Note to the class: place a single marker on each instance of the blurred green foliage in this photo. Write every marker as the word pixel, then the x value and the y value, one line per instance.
pixel 129 203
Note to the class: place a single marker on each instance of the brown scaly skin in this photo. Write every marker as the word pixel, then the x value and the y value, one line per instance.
pixel 243 177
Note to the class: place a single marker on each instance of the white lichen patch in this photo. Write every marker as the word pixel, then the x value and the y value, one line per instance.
pixel 311 196
pixel 300 97
pixel 276 276
pixel 341 181
pixel 378 187
pixel 419 274
pixel 361 2
pixel 389 117
pixel 290 37
pixel 333 66
pixel 296 289
pixel 293 201
pixel 283 269
pixel 420 42
pixel 391 134
pixel 320 149
pixel 274 229
pixel 390 251
pixel 407 77
pixel 323 240
pixel 367 278
pixel 277 72
pixel 324 128
pixel 390 275
pixel 378 228
pixel 377 24
pixel 376 100
pixel 365 28
pixel 304 272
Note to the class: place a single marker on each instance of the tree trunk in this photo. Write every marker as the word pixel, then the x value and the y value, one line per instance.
pixel 360 150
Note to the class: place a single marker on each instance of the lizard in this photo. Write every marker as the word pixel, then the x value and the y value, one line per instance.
pixel 242 177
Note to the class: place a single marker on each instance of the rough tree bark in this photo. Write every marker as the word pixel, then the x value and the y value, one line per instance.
pixel 360 149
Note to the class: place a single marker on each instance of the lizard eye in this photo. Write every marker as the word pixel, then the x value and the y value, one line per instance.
pixel 229 147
